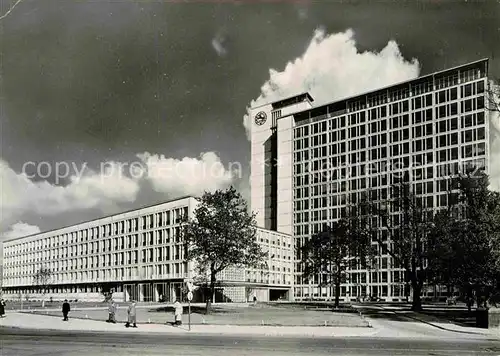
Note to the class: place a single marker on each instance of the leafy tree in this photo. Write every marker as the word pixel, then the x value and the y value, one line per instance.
pixel 495 241
pixel 406 221
pixel 464 241
pixel 442 249
pixel 221 234
pixel 41 282
pixel 330 252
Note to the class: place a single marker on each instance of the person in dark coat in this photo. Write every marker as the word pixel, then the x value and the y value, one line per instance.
pixel 65 309
pixel 2 308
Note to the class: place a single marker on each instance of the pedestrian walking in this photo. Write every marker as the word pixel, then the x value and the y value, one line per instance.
pixel 66 309
pixel 2 308
pixel 112 312
pixel 131 315
pixel 178 313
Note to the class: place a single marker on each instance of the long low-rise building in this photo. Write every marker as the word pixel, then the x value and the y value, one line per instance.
pixel 137 255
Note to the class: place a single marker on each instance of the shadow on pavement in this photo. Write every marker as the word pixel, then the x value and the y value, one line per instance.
pixel 194 310
pixel 430 313
pixel 458 317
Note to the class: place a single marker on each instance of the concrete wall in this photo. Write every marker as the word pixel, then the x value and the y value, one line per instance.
pixel 285 175
pixel 260 173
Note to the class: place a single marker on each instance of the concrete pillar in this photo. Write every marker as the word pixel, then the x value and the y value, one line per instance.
pixel 173 297
pixel 155 293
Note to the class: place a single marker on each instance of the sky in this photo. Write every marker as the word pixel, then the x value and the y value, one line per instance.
pixel 112 105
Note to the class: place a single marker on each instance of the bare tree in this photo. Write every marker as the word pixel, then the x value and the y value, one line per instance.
pixel 41 282
pixel 406 222
pixel 329 253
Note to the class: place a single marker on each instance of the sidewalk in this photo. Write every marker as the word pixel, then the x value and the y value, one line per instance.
pixel 443 324
pixel 449 326
pixel 414 328
pixel 42 322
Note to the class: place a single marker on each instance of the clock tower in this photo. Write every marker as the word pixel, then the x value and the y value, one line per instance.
pixel 271 161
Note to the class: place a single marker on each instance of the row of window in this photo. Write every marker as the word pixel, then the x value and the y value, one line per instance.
pixel 379 192
pixel 161 254
pixel 400 92
pixel 380 98
pixel 149 221
pixel 382 176
pixel 402 107
pixel 157 237
pixel 175 270
pixel 327 214
pixel 332 169
pixel 340 145
pixel 352 292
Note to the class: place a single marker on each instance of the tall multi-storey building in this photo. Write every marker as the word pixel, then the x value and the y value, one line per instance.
pixel 137 254
pixel 309 162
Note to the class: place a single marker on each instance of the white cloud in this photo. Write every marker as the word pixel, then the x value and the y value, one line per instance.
pixel 332 68
pixel 20 229
pixel 218 45
pixel 19 194
pixel 188 175
pixel 113 183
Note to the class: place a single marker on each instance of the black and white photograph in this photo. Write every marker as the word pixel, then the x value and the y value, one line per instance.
pixel 250 177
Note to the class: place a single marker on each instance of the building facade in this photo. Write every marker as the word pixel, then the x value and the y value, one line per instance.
pixel 137 255
pixel 309 162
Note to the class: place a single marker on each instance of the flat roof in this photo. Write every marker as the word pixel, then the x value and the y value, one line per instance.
pixel 357 96
pixel 291 100
pixel 276 104
pixel 97 219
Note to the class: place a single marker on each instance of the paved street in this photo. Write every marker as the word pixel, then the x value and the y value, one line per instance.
pixel 24 342
pixel 392 333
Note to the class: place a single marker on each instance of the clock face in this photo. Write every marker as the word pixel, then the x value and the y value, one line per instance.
pixel 260 118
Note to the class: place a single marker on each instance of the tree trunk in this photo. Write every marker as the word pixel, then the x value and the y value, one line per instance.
pixel 337 293
pixel 469 299
pixel 211 290
pixel 416 304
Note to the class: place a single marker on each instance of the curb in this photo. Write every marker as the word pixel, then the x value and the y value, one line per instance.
pixel 186 332
pixel 434 325
pixel 441 327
